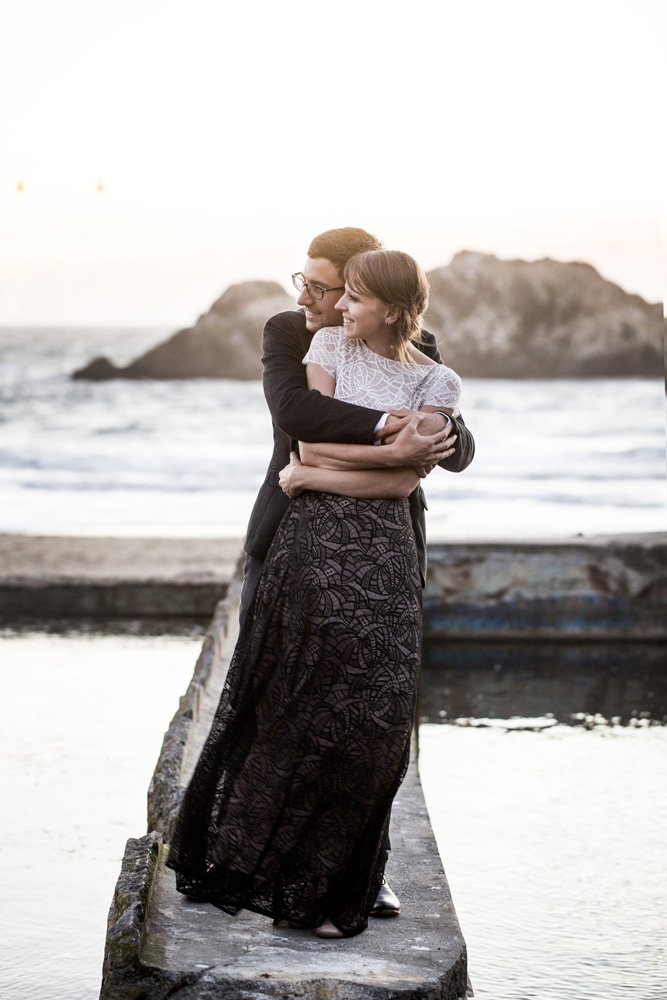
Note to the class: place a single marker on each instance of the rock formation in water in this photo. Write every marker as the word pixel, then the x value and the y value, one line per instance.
pixel 540 319
pixel 226 342
pixel 495 318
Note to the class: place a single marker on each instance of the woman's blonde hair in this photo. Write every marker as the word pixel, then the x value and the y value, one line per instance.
pixel 397 280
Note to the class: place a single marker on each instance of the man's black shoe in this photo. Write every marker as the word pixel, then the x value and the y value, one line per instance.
pixel 387 903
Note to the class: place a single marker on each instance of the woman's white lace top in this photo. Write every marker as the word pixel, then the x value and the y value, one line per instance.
pixel 368 379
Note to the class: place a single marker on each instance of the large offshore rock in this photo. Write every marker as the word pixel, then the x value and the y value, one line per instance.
pixel 492 318
pixel 226 342
pixel 540 319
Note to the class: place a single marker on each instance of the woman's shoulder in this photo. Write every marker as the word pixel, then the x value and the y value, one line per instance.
pixel 332 340
pixel 324 349
pixel 331 335
pixel 444 374
pixel 442 385
pixel 446 371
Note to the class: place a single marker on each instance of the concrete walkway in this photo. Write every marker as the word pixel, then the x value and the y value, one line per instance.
pixel 161 945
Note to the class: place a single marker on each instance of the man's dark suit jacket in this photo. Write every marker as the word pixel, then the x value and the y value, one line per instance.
pixel 302 414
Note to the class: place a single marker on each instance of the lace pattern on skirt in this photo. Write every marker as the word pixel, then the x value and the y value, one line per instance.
pixel 288 808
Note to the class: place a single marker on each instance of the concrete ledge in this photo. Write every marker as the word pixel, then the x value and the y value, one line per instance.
pixel 594 588
pixel 125 976
pixel 69 577
pixel 48 598
pixel 161 945
pixel 580 589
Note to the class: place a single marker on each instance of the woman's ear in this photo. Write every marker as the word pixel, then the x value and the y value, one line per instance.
pixel 393 312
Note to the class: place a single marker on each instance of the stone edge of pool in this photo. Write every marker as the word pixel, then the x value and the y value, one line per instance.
pixel 579 589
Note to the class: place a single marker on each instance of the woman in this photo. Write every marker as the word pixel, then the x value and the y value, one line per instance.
pixel 288 808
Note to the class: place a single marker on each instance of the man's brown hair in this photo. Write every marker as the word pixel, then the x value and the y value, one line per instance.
pixel 338 245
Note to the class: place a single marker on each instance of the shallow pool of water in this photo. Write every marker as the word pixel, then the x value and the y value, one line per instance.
pixel 82 726
pixel 553 841
pixel 554 844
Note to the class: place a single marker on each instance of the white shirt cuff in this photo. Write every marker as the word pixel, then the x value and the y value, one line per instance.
pixel 380 424
pixel 446 416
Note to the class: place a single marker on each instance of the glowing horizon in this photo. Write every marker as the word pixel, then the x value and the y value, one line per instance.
pixel 222 144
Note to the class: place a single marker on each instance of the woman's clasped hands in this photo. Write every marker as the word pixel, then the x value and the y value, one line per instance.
pixel 289 477
pixel 406 443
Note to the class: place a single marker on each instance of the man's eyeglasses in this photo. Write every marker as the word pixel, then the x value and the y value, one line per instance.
pixel 315 291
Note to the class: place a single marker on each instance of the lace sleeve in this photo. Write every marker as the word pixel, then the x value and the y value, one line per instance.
pixel 442 387
pixel 323 350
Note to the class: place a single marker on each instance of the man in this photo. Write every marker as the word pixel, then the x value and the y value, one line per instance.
pixel 300 414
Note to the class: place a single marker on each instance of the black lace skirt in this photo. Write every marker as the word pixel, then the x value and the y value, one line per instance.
pixel 288 808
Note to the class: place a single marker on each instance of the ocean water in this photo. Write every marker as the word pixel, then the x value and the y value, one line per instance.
pixel 554 458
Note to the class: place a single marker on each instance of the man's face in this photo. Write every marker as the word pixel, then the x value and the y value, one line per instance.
pixel 321 312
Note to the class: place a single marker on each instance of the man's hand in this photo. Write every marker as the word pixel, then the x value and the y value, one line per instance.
pixel 394 424
pixel 448 444
pixel 288 477
pixel 398 419
pixel 421 440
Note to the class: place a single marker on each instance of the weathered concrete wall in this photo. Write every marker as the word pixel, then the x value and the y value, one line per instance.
pixel 108 598
pixel 161 945
pixel 68 577
pixel 596 588
pixel 580 589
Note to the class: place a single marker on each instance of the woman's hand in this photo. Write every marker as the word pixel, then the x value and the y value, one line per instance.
pixel 290 478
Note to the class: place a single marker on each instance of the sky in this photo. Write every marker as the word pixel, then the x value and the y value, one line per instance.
pixel 154 151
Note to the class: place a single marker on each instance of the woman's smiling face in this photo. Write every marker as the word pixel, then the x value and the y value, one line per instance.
pixel 364 315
